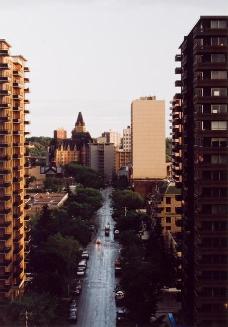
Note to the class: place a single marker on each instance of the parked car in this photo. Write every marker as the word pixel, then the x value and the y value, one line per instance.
pixel 85 255
pixel 116 234
pixel 121 315
pixel 98 241
pixel 119 296
pixel 92 228
pixel 80 272
pixel 77 290
pixel 72 317
pixel 82 264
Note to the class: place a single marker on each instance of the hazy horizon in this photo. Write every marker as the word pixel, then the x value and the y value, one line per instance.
pixel 97 56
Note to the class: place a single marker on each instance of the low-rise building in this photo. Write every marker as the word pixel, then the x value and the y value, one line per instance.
pixel 122 159
pixel 52 200
pixel 170 210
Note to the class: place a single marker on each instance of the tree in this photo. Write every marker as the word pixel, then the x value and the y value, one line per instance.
pixel 84 175
pixel 128 199
pixel 53 184
pixel 54 263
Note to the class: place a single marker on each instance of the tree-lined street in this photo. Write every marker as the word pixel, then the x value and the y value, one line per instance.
pixel 97 303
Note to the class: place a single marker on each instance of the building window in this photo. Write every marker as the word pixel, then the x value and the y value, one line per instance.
pixel 219 41
pixel 218 74
pixel 168 209
pixel 168 200
pixel 219 125
pixel 219 159
pixel 218 24
pixel 221 91
pixel 168 220
pixel 219 108
pixel 168 228
pixel 217 142
pixel 218 57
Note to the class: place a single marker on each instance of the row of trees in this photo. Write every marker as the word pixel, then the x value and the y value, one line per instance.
pixel 58 237
pixel 146 266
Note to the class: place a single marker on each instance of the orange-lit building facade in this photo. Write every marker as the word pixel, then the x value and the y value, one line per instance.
pixel 14 173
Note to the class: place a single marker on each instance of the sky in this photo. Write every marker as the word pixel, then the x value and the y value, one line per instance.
pixel 97 56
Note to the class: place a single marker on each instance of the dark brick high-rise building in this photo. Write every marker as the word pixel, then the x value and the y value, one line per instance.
pixel 200 137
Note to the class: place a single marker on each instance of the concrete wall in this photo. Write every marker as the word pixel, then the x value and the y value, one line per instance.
pixel 148 139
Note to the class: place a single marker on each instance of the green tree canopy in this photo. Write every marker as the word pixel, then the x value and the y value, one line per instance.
pixel 84 175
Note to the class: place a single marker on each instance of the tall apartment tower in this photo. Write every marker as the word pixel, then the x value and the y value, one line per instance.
pixel 200 130
pixel 148 138
pixel 127 139
pixel 14 173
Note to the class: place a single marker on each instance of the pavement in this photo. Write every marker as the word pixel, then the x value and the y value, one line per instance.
pixel 97 303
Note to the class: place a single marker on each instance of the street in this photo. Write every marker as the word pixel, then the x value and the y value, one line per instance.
pixel 97 304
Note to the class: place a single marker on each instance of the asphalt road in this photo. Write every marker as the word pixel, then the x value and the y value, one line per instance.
pixel 97 304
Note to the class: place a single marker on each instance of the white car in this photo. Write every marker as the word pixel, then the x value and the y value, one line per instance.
pixel 81 271
pixel 85 255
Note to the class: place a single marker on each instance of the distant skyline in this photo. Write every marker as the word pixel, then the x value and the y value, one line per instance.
pixel 97 56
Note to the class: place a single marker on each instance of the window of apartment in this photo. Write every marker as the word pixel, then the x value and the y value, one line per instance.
pixel 219 125
pixel 218 74
pixel 168 200
pixel 219 159
pixel 168 228
pixel 220 41
pixel 218 57
pixel 168 220
pixel 219 108
pixel 218 24
pixel 168 209
pixel 219 209
pixel 199 91
pixel 220 91
pixel 218 142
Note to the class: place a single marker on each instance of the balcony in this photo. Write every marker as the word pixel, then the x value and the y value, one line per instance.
pixel 5 93
pixel 17 121
pixel 5 79
pixel 17 248
pixel 17 85
pixel 178 57
pixel 5 250
pixel 4 52
pixel 18 73
pixel 4 145
pixel 18 237
pixel 17 156
pixel 26 90
pixel 26 101
pixel 5 236
pixel 26 111
pixel 178 70
pixel 26 80
pixel 5 105
pixel 178 83
pixel 5 171
pixel 5 66
pixel 18 97
pixel 26 70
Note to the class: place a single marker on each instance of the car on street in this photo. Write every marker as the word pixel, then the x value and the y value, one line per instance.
pixel 119 296
pixel 121 315
pixel 85 255
pixel 98 241
pixel 77 290
pixel 116 234
pixel 92 228
pixel 80 272
pixel 72 317
pixel 82 264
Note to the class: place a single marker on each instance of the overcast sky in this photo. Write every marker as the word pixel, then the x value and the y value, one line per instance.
pixel 96 56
